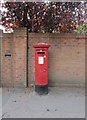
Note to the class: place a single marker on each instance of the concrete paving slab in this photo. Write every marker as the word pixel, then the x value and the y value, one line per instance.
pixel 60 102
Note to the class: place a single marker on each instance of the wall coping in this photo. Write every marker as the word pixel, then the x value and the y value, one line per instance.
pixel 59 35
pixel 22 31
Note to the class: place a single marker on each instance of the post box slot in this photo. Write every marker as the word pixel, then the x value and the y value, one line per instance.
pixel 41 52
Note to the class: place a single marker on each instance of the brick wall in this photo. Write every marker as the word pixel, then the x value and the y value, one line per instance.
pixel 14 58
pixel 7 60
pixel 66 58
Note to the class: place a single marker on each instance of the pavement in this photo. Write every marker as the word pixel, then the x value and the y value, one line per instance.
pixel 60 102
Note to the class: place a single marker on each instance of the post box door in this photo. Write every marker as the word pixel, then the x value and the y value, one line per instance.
pixel 41 67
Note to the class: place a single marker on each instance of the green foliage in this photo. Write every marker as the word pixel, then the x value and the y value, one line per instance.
pixel 81 29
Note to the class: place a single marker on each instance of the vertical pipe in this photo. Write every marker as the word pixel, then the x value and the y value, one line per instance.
pixel 1 36
pixel 27 59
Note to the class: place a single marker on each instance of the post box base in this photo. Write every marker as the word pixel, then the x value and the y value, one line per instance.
pixel 41 89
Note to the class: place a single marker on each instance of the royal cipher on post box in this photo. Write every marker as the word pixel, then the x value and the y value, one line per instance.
pixel 41 67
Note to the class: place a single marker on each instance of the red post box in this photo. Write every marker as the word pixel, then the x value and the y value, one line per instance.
pixel 41 67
